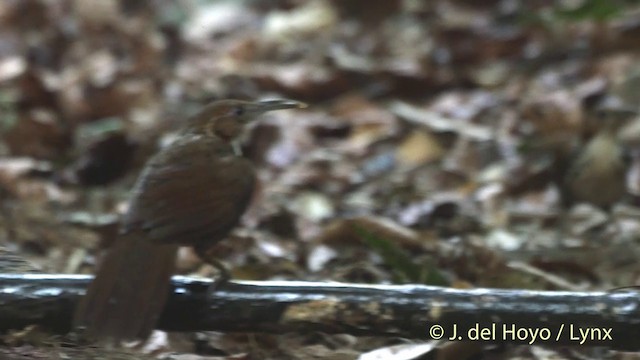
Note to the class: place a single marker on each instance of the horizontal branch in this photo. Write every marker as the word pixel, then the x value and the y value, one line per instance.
pixel 412 311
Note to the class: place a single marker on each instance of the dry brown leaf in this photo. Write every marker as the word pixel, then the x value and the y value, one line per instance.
pixel 38 133
pixel 97 13
pixel 419 148
pixel 369 122
pixel 309 19
pixel 554 114
pixel 439 123
pixel 345 231
pixel 300 80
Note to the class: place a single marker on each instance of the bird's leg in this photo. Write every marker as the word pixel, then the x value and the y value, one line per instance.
pixel 224 275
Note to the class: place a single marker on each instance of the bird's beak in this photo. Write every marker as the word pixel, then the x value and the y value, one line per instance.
pixel 270 105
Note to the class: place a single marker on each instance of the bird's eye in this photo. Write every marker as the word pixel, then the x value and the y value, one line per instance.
pixel 238 111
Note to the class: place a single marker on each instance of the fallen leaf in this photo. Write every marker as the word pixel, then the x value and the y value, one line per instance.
pixel 419 148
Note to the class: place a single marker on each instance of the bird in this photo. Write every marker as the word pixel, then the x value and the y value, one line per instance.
pixel 192 192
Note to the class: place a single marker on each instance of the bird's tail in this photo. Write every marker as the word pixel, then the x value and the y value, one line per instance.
pixel 129 291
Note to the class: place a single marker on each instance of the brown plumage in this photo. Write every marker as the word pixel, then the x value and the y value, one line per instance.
pixel 192 193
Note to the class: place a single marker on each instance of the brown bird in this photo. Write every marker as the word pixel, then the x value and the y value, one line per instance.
pixel 191 193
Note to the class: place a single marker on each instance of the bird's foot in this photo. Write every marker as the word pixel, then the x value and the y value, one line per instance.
pixel 223 273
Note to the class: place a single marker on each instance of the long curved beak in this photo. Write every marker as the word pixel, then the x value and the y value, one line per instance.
pixel 270 105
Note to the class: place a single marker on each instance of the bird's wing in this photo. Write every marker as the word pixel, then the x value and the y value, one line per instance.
pixel 195 190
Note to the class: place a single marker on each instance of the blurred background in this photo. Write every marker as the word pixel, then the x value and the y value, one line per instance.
pixel 463 143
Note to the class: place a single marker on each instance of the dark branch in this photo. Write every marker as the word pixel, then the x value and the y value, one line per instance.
pixel 402 310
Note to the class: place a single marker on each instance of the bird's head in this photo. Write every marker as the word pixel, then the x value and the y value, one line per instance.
pixel 227 118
